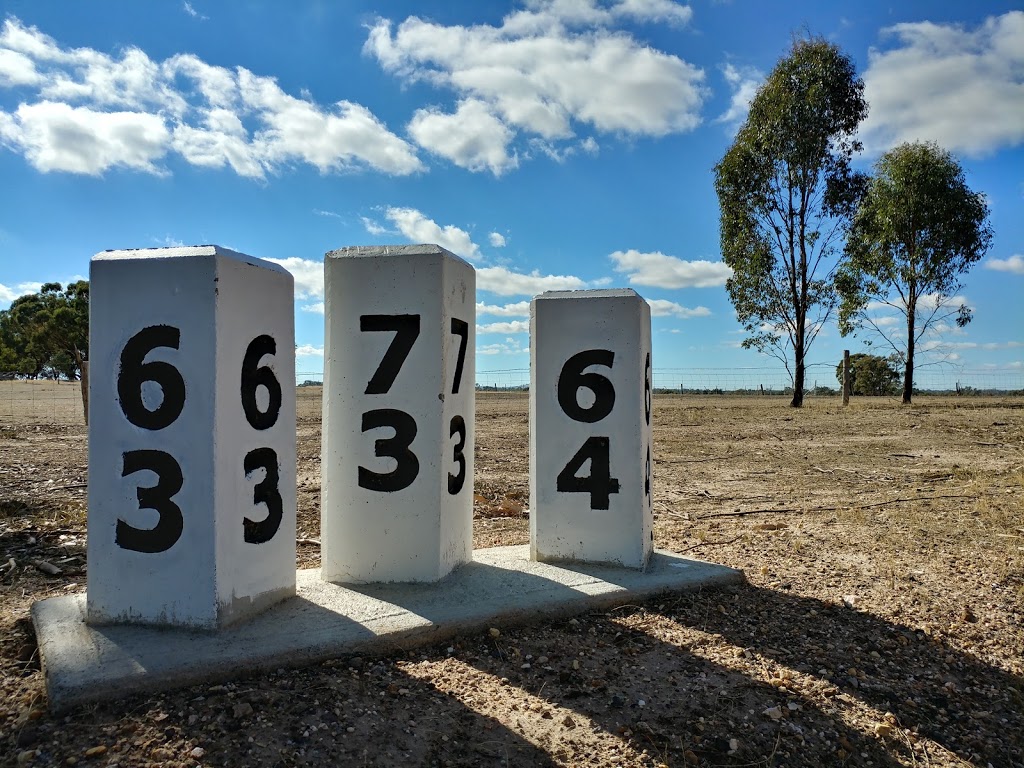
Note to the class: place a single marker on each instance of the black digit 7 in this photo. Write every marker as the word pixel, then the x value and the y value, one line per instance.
pixel 455 482
pixel 134 372
pixel 460 328
pixel 170 524
pixel 572 378
pixel 396 447
pixel 255 375
pixel 265 492
pixel 406 329
pixel 599 484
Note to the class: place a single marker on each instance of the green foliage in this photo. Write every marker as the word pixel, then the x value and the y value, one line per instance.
pixel 916 230
pixel 785 192
pixel 46 334
pixel 871 375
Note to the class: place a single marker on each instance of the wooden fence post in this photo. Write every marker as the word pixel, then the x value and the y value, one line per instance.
pixel 847 378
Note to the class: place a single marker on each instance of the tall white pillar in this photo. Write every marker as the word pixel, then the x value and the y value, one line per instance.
pixel 398 410
pixel 191 437
pixel 590 427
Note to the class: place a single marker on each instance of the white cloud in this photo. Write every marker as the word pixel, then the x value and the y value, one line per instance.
pixel 510 346
pixel 10 293
pixel 657 269
pixel 471 137
pixel 956 86
pixel 316 308
pixel 497 240
pixel 557 67
pixel 92 111
pixel 308 350
pixel 419 229
pixel 504 282
pixel 665 308
pixel 511 326
pixel 373 227
pixel 1014 264
pixel 326 214
pixel 193 12
pixel 743 82
pixel 308 274
pixel 518 309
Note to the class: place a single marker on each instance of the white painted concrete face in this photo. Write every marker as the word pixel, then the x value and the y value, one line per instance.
pixel 590 427
pixel 398 412
pixel 191 437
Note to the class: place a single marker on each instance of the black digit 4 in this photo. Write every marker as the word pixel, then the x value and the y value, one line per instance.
pixel 406 329
pixel 599 484
pixel 168 528
pixel 134 372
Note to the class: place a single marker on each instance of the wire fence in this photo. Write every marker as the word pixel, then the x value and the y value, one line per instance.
pixel 60 402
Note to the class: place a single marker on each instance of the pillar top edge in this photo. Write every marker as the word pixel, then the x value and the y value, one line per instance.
pixel 591 293
pixel 374 251
pixel 185 252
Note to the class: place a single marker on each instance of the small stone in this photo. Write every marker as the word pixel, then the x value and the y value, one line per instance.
pixel 850 601
pixel 525 666
pixel 494 632
pixel 96 751
pixel 197 753
pixel 568 722
pixel 793 706
pixel 734 745
pixel 72 760
pixel 882 730
pixel 161 754
pixel 775 713
pixel 641 703
pixel 26 757
pixel 968 615
pixel 574 622
pixel 543 660
pixel 575 663
pixel 350 729
pixel 241 710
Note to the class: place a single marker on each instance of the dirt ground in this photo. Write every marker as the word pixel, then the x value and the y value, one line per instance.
pixel 881 624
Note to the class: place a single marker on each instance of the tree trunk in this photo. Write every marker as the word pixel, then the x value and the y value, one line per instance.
pixel 908 371
pixel 798 372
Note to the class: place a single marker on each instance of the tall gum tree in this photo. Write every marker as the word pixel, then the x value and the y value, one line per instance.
pixel 786 193
pixel 916 230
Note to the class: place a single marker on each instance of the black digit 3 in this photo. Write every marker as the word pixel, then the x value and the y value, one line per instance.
pixel 134 372
pixel 396 447
pixel 455 482
pixel 167 531
pixel 265 492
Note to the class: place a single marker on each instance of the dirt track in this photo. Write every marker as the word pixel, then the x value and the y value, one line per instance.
pixel 882 622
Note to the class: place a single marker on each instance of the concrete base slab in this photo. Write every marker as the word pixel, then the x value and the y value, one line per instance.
pixel 501 587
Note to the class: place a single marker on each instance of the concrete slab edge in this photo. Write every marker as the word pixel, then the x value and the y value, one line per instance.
pixel 83 664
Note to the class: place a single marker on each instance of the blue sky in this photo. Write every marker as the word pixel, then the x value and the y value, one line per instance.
pixel 553 143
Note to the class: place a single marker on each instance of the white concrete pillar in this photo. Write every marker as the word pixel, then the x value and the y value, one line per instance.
pixel 398 405
pixel 191 437
pixel 590 427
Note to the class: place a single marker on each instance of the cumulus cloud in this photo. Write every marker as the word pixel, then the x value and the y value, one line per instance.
pixel 665 308
pixel 308 350
pixel 316 308
pixel 510 346
pixel 308 274
pixel 90 112
pixel 419 229
pixel 10 293
pixel 661 271
pixel 960 87
pixel 512 326
pixel 497 240
pixel 518 309
pixel 743 82
pixel 505 282
pixel 1013 264
pixel 555 68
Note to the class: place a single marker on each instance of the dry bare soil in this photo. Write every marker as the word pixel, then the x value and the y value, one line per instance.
pixel 881 625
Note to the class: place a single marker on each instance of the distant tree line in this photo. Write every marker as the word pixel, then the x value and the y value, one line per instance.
pixel 46 334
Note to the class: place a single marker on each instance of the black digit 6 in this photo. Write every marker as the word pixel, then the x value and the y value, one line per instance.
pixel 167 530
pixel 396 447
pixel 647 389
pixel 134 372
pixel 255 375
pixel 455 482
pixel 265 492
pixel 572 378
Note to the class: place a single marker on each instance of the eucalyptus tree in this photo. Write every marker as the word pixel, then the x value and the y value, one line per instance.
pixel 916 230
pixel 786 191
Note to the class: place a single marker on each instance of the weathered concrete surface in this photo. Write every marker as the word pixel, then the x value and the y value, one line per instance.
pixel 501 587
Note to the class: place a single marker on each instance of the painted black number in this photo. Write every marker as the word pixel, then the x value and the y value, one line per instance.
pixel 396 447
pixel 647 389
pixel 254 376
pixel 406 329
pixel 647 474
pixel 135 372
pixel 167 531
pixel 599 484
pixel 265 492
pixel 460 328
pixel 455 482
pixel 572 378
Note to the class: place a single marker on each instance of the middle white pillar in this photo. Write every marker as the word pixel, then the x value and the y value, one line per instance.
pixel 398 412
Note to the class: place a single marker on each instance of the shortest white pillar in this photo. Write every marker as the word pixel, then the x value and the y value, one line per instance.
pixel 590 427
pixel 191 437
pixel 398 407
